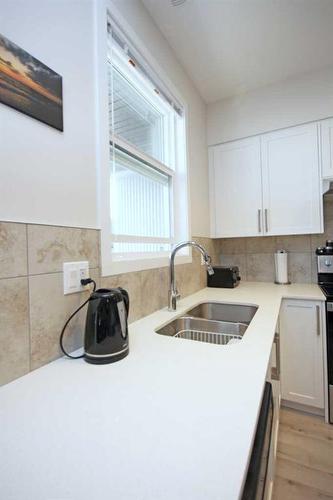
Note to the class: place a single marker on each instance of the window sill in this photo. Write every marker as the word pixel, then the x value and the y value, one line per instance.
pixel 130 266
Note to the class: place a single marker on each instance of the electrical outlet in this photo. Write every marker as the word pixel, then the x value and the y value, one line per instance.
pixel 74 272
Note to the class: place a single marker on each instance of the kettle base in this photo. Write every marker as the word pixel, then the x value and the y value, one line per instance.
pixel 104 360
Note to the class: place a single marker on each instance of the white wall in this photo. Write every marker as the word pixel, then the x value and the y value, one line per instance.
pixel 138 19
pixel 47 176
pixel 294 101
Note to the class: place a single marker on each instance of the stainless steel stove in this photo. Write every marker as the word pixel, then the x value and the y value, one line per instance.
pixel 325 281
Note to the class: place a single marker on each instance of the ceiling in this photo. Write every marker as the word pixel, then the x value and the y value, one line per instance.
pixel 229 47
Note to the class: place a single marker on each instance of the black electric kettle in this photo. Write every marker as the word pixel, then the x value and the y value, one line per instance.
pixel 106 331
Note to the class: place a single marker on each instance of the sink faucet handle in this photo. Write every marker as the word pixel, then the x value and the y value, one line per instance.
pixel 208 262
pixel 210 270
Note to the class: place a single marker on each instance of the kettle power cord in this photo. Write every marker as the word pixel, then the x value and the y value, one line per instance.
pixel 83 283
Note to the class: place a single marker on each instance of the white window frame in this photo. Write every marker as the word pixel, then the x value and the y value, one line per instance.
pixel 179 175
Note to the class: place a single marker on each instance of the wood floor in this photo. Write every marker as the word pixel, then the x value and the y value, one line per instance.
pixel 304 469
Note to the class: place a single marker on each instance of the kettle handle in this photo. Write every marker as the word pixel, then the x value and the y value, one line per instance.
pixel 126 298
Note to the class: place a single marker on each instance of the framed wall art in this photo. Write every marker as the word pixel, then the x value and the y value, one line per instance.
pixel 30 86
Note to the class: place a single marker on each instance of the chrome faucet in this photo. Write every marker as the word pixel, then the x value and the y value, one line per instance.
pixel 173 293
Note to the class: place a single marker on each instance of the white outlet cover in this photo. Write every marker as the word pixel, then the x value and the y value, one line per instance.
pixel 73 273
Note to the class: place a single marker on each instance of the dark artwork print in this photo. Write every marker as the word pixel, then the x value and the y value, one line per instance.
pixel 29 86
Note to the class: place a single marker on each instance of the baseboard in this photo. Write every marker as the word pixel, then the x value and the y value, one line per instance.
pixel 303 408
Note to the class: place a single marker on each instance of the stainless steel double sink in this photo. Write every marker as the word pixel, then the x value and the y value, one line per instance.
pixel 212 322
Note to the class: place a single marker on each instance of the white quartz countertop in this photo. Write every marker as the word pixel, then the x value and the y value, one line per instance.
pixel 174 420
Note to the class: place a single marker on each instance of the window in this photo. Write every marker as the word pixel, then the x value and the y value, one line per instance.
pixel 140 206
pixel 147 163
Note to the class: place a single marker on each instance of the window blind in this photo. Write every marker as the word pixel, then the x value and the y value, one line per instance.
pixel 122 41
pixel 140 205
pixel 134 118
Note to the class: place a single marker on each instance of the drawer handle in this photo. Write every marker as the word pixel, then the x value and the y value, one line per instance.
pixel 318 320
pixel 276 372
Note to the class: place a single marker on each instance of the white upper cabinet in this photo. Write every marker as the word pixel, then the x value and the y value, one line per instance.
pixel 327 148
pixel 291 181
pixel 267 185
pixel 235 188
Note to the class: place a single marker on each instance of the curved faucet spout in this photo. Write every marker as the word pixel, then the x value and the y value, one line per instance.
pixel 173 293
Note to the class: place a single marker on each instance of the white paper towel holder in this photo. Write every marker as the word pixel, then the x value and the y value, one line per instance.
pixel 278 282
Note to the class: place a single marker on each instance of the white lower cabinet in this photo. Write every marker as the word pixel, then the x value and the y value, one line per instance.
pixel 301 350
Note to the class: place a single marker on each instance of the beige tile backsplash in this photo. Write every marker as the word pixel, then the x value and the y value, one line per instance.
pixel 13 250
pixel 33 308
pixel 259 267
pixel 49 309
pixel 14 329
pixel 255 256
pixel 50 246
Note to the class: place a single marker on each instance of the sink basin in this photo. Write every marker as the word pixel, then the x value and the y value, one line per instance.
pixel 234 313
pixel 215 323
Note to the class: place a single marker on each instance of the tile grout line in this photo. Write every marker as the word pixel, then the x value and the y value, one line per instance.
pixel 58 272
pixel 38 274
pixel 29 303
pixel 50 225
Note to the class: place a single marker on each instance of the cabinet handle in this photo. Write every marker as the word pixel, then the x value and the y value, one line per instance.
pixel 275 375
pixel 266 220
pixel 259 220
pixel 318 320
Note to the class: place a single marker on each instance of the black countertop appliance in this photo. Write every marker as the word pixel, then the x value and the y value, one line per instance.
pixel 224 277
pixel 106 333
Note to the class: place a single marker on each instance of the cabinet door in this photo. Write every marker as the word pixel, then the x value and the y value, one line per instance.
pixel 327 148
pixel 292 200
pixel 235 188
pixel 302 365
